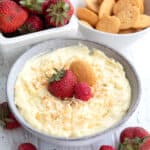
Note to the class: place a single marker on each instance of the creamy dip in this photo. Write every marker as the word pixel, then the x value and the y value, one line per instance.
pixel 71 117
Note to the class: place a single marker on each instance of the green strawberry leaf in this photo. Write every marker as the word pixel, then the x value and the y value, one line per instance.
pixel 57 20
pixel 52 19
pixel 129 147
pixel 66 6
pixel 2 124
pixel 58 75
pixel 120 147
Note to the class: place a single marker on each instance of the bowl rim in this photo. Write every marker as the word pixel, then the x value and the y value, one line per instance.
pixel 112 34
pixel 27 126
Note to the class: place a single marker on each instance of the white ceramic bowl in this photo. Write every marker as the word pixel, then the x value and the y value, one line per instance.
pixel 59 43
pixel 9 43
pixel 116 41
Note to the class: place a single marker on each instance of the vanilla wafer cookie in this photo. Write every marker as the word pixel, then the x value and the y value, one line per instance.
pixel 122 4
pixel 143 22
pixel 128 16
pixel 87 15
pixel 106 8
pixel 93 5
pixel 109 24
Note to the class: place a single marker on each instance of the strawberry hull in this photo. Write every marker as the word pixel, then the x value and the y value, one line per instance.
pixel 35 6
pixel 58 13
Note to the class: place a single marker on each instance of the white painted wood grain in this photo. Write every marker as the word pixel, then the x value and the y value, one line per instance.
pixel 138 54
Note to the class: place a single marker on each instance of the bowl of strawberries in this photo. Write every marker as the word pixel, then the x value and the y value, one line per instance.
pixel 26 22
pixel 72 92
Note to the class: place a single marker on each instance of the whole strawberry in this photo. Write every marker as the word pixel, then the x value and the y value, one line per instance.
pixel 106 147
pixel 34 6
pixel 12 16
pixel 82 91
pixel 33 24
pixel 7 120
pixel 134 138
pixel 62 83
pixel 133 132
pixel 27 146
pixel 58 12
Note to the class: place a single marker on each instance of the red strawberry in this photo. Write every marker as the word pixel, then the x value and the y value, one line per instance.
pixel 135 144
pixel 7 120
pixel 27 146
pixel 12 16
pixel 83 91
pixel 58 12
pixel 62 83
pixel 134 138
pixel 133 132
pixel 33 24
pixel 34 6
pixel 107 147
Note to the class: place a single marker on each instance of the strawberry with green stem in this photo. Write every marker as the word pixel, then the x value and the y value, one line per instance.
pixel 62 83
pixel 133 132
pixel 58 12
pixel 135 144
pixel 134 138
pixel 7 119
pixel 33 24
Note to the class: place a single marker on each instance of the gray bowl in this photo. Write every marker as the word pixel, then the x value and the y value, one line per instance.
pixel 59 43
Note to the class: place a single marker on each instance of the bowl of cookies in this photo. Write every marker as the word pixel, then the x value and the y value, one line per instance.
pixel 114 23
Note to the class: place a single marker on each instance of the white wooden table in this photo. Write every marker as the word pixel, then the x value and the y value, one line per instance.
pixel 138 53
